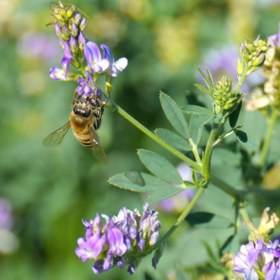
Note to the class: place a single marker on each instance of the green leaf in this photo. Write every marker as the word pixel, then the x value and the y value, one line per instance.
pixel 174 114
pixel 141 182
pixel 173 139
pixel 233 117
pixel 202 114
pixel 205 78
pixel 199 116
pixel 157 255
pixel 163 193
pixel 135 177
pixel 207 220
pixel 241 135
pixel 202 88
pixel 160 167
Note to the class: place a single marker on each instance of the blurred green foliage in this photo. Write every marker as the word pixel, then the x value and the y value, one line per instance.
pixel 51 190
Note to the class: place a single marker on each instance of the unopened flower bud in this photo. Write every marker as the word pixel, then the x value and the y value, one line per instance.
pixel 83 24
pixel 77 18
pixel 73 45
pixel 74 29
pixel 240 67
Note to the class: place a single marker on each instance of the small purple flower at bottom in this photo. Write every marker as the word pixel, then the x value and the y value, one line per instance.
pixel 120 240
pixel 86 87
pixel 258 260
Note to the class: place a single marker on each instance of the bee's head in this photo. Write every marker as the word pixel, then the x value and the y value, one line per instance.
pixel 82 109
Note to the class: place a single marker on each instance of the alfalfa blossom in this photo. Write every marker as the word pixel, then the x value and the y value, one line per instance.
pixel 121 240
pixel 87 60
pixel 269 92
pixel 69 25
pixel 259 259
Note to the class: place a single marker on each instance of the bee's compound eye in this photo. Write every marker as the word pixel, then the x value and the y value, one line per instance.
pixel 81 112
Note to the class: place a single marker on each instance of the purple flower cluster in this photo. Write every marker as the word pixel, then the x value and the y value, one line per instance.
pixel 121 240
pixel 5 215
pixel 81 54
pixel 258 260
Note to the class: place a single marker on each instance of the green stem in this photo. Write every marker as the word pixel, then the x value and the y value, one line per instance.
pixel 182 217
pixel 241 80
pixel 267 140
pixel 194 165
pixel 208 152
pixel 195 151
pixel 244 214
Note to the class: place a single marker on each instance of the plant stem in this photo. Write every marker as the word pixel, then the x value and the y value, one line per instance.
pixel 194 165
pixel 267 140
pixel 182 217
pixel 195 151
pixel 208 152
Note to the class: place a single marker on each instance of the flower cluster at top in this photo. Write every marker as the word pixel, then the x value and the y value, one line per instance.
pixel 121 240
pixel 260 258
pixel 83 56
pixel 269 93
pixel 225 96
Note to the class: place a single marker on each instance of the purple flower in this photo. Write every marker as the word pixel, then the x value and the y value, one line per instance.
pixel 274 39
pixel 244 261
pixel 115 66
pixel 105 64
pixel 5 215
pixel 67 58
pixel 95 62
pixel 38 46
pixel 117 240
pixel 257 258
pixel 8 241
pixel 86 87
pixel 59 74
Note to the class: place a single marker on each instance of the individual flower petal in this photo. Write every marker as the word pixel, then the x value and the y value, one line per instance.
pixel 96 243
pixel 94 60
pixel 83 251
pixel 118 66
pixel 67 58
pixel 116 242
pixel 57 74
pixel 115 66
pixel 86 87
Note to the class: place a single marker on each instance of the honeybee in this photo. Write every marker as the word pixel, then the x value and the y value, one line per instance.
pixel 84 119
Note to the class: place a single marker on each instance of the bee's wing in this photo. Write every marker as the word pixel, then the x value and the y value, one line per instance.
pixel 56 137
pixel 97 151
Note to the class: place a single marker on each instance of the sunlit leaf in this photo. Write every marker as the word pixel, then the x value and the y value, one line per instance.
pixel 200 115
pixel 173 139
pixel 174 114
pixel 142 182
pixel 135 177
pixel 163 193
pixel 160 167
